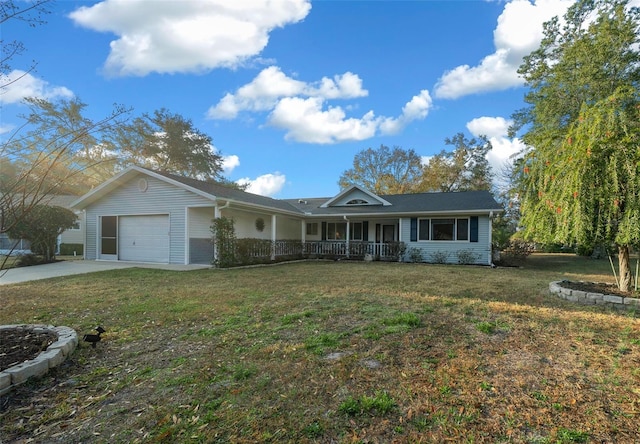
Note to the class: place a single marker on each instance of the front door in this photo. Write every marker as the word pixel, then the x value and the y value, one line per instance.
pixel 109 238
pixel 388 233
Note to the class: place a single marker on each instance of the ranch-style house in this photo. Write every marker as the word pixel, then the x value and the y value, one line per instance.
pixel 148 216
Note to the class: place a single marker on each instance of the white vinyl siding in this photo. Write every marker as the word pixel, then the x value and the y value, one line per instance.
pixel 159 198
pixel 482 248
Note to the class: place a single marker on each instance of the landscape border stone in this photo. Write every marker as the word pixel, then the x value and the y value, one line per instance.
pixel 587 298
pixel 53 356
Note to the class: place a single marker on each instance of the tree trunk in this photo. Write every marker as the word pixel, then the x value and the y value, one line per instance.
pixel 623 266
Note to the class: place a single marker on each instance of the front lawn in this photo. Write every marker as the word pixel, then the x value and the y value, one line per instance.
pixel 330 352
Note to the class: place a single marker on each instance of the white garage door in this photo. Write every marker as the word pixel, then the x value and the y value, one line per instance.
pixel 144 238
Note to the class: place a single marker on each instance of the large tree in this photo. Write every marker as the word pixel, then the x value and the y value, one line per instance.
pixel 580 176
pixel 463 169
pixel 62 148
pixel 45 156
pixel 384 170
pixel 170 143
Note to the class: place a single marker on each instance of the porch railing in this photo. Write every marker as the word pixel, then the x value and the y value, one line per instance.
pixel 356 249
pixel 256 251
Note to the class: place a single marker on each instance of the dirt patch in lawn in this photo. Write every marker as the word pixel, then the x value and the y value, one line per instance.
pixel 18 345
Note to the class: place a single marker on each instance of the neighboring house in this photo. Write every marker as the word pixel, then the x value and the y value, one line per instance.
pixel 148 216
pixel 74 235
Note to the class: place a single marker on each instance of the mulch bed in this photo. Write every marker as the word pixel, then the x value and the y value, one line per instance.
pixel 596 287
pixel 19 345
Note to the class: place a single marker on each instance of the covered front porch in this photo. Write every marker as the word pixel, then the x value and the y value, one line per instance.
pixel 256 250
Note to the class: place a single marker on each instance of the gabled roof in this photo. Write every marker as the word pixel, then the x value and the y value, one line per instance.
pixel 464 202
pixel 479 202
pixel 209 190
pixel 351 190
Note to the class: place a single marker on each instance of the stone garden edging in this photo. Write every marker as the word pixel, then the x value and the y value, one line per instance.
pixel 586 298
pixel 53 356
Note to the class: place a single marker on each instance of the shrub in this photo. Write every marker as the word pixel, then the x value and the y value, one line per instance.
pixel 415 255
pixel 224 238
pixel 41 226
pixel 397 250
pixel 70 249
pixel 466 257
pixel 516 253
pixel 439 257
pixel 27 260
pixel 252 251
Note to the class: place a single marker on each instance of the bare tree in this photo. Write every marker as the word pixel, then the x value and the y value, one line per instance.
pixel 31 13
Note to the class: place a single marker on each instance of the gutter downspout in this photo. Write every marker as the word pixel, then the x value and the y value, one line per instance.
pixel 218 209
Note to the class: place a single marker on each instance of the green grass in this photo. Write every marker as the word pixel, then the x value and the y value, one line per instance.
pixel 461 354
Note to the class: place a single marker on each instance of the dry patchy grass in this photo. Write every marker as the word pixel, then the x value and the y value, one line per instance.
pixel 331 352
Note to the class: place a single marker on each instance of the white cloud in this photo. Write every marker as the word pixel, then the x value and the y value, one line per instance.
pixel 489 126
pixel 306 121
pixel 21 84
pixel 416 109
pixel 186 36
pixel 266 185
pixel 518 33
pixel 503 148
pixel 271 85
pixel 229 163
pixel 302 109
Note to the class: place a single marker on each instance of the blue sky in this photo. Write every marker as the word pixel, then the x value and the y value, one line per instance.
pixel 291 90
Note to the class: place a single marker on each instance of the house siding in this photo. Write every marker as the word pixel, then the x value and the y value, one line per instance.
pixel 159 198
pixel 244 223
pixel 482 248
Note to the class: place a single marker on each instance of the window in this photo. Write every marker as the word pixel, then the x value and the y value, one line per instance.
pixel 312 229
pixel 356 231
pixel 443 229
pixel 336 230
pixel 357 202
pixel 462 229
pixel 75 226
pixel 423 229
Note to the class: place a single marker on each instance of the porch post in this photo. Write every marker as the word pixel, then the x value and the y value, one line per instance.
pixel 273 237
pixel 348 235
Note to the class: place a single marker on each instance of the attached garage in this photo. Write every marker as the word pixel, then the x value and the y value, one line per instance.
pixel 143 238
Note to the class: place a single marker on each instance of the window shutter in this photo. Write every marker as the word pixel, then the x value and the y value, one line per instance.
pixel 414 229
pixel 474 229
pixel 365 230
pixel 324 231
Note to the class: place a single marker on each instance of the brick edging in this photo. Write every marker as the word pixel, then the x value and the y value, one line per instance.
pixel 53 356
pixel 587 298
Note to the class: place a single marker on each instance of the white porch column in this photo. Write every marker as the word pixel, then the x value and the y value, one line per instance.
pixel 348 235
pixel 273 237
pixel 399 229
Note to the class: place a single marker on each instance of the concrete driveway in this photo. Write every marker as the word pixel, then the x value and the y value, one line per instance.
pixel 68 268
